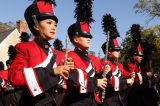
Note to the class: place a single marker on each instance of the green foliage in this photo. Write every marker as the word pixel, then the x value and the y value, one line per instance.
pixel 151 37
pixel 126 44
pixel 149 7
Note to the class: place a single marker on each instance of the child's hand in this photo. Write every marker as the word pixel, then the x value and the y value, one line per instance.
pixel 64 69
pixel 102 83
pixel 69 63
pixel 149 74
pixel 106 69
pixel 130 81
pixel 133 75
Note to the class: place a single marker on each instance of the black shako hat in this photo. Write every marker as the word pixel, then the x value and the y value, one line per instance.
pixel 79 29
pixel 83 15
pixel 136 49
pixel 40 9
pixel 113 46
pixel 110 29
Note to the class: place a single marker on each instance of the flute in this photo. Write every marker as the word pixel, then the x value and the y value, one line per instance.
pixel 106 55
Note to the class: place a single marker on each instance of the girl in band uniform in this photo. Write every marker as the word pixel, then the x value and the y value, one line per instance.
pixel 37 67
pixel 118 78
pixel 83 82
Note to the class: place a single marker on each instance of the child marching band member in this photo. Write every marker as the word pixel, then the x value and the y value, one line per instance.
pixel 82 83
pixel 36 67
pixel 118 77
pixel 136 96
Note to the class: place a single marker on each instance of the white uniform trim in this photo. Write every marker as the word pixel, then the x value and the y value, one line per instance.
pixel 140 78
pixel 116 71
pixel 116 79
pixel 55 65
pixel 116 86
pixel 82 81
pixel 89 68
pixel 92 75
pixel 3 83
pixel 32 82
pixel 119 75
pixel 47 60
pixel 61 81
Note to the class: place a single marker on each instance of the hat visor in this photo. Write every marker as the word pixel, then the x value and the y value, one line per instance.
pixel 86 35
pixel 47 16
pixel 115 49
pixel 141 55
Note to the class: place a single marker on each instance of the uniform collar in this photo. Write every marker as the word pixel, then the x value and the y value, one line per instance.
pixel 82 52
pixel 113 60
pixel 42 43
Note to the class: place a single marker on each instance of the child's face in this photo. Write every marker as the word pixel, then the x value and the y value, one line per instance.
pixel 82 42
pixel 137 59
pixel 114 54
pixel 47 29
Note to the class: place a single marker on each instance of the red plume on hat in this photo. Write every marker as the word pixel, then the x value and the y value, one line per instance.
pixel 49 1
pixel 109 25
pixel 136 40
pixel 83 15
pixel 44 6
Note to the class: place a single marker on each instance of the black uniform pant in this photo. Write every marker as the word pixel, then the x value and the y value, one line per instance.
pixel 112 101
pixel 8 99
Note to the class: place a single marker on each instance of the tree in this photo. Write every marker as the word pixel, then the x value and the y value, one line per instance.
pixel 152 36
pixel 149 7
pixel 126 44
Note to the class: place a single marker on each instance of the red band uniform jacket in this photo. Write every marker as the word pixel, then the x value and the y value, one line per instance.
pixel 32 71
pixel 3 78
pixel 82 82
pixel 139 75
pixel 117 84
pixel 4 82
pixel 136 92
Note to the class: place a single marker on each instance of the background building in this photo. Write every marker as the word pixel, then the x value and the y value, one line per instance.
pixel 11 37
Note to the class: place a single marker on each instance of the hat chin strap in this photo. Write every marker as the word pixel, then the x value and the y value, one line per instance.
pixel 37 24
